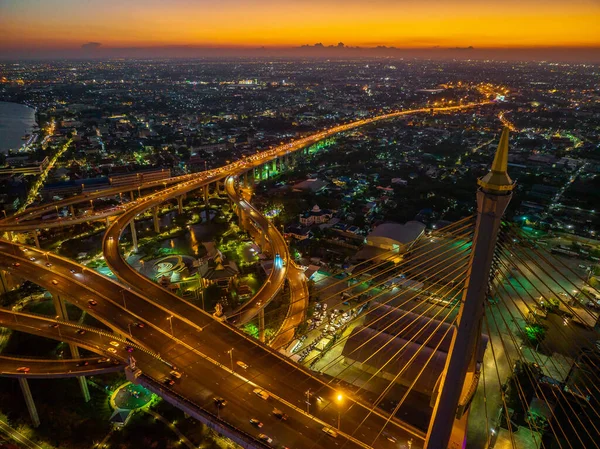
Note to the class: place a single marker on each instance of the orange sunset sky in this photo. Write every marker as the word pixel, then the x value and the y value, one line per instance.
pixel 64 24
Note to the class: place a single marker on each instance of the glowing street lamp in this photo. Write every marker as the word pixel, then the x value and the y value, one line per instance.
pixel 339 398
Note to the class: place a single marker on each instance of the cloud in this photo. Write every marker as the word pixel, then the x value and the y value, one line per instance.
pixel 91 46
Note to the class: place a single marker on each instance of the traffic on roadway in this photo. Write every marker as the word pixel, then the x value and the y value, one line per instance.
pixel 201 349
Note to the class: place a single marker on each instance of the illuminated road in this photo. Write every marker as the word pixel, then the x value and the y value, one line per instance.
pixel 296 313
pixel 30 218
pixel 200 355
pixel 52 368
pixel 198 344
pixel 277 276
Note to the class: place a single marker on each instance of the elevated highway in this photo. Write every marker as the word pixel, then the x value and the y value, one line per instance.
pixel 279 273
pixel 92 194
pixel 197 343
pixel 278 246
pixel 54 368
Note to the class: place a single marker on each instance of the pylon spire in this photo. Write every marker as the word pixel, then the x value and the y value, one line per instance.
pixel 497 180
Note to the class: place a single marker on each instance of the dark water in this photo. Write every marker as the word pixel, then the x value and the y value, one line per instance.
pixel 16 120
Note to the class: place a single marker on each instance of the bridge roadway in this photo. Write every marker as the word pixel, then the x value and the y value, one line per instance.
pixel 56 368
pixel 275 373
pixel 201 355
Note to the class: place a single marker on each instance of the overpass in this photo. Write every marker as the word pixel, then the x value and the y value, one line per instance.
pixel 287 270
pixel 54 368
pixel 197 341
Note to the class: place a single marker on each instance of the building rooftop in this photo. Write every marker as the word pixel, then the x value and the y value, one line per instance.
pixel 403 233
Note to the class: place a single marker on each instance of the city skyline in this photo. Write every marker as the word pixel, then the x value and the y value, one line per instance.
pixel 68 28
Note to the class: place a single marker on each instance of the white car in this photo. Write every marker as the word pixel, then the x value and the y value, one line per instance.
pixel 330 431
pixel 261 393
pixel 115 344
pixel 265 438
pixel 241 364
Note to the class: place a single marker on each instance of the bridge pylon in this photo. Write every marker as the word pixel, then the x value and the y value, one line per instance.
pixel 447 428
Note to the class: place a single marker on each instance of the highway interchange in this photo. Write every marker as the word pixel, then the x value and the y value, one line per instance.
pixel 178 334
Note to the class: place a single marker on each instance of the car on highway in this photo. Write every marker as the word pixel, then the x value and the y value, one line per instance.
pixel 32 259
pixel 219 401
pixel 139 324
pixel 84 363
pixel 129 349
pixel 116 344
pixel 279 414
pixel 256 422
pixel 23 369
pixel 16 264
pixel 330 431
pixel 168 381
pixel 261 393
pixel 241 364
pixel 80 331
pixel 265 438
pixel 112 350
pixel 54 325
pixel 175 374
pixel 92 302
pixel 103 360
pixel 72 270
pixel 48 264
pixel 54 282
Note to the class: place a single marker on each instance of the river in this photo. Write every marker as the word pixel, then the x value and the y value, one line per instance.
pixel 16 120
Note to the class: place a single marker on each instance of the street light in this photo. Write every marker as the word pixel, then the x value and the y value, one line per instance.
pixel 123 295
pixel 170 318
pixel 230 352
pixel 308 395
pixel 339 398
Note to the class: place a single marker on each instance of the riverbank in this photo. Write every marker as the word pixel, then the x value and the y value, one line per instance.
pixel 16 121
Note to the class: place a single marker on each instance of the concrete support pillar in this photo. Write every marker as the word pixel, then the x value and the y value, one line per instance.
pixel 71 210
pixel 107 222
pixel 85 391
pixel 274 169
pixel 133 235
pixel 263 239
pixel 253 174
pixel 245 179
pixel 131 195
pixel 61 312
pixel 33 414
pixel 261 324
pixel 6 282
pixel 59 306
pixel 155 219
pixel 180 204
pixel 36 239
pixel 206 203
